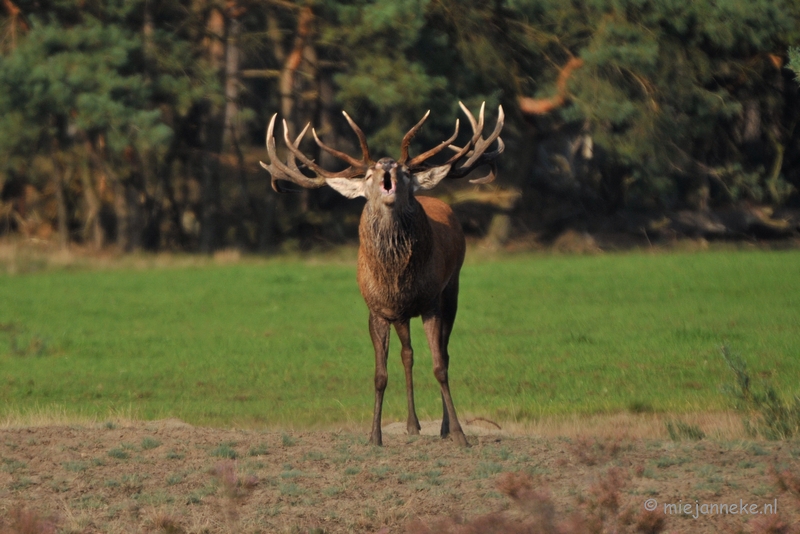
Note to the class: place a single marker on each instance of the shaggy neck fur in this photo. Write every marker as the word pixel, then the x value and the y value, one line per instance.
pixel 397 241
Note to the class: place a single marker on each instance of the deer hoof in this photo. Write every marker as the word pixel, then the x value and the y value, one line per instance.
pixel 460 439
pixel 413 429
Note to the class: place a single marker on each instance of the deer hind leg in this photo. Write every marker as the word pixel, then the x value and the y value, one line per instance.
pixel 434 329
pixel 449 307
pixel 407 354
pixel 379 331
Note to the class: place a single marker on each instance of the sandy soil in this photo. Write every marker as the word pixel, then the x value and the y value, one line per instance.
pixel 166 476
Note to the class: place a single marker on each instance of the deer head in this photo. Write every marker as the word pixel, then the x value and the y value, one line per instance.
pixel 386 182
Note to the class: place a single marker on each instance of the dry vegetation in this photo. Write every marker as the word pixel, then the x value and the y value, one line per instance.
pixel 167 476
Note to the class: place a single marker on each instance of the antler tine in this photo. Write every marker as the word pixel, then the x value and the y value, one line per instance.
pixel 295 151
pixel 417 160
pixel 357 167
pixel 335 153
pixel 474 152
pixel 481 144
pixel 409 136
pixel 477 126
pixel 293 147
pixel 478 156
pixel 281 171
pixel 362 139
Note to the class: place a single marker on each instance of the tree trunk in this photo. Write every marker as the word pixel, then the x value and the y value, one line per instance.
pixel 327 103
pixel 61 201
pixel 293 62
pixel 232 83
pixel 122 216
pixel 92 229
pixel 213 126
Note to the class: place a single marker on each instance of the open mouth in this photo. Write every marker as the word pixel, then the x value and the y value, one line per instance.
pixel 388 184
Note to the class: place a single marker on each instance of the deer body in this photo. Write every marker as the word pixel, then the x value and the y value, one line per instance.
pixel 409 260
pixel 411 249
pixel 406 260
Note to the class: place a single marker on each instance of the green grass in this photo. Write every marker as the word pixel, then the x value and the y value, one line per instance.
pixel 285 342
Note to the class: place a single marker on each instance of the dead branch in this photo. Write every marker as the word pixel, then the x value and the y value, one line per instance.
pixel 540 106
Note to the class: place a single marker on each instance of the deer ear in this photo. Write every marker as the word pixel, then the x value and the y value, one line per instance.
pixel 347 187
pixel 430 178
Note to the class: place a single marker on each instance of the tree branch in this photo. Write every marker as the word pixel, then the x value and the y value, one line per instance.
pixel 540 106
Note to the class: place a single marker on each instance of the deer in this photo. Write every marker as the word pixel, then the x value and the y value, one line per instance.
pixel 411 248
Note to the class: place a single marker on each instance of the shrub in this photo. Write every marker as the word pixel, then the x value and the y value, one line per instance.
pixel 534 512
pixel 678 431
pixel 767 413
pixel 225 451
pixel 149 443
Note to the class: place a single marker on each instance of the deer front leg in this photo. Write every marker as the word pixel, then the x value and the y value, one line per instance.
pixel 433 330
pixel 407 354
pixel 379 331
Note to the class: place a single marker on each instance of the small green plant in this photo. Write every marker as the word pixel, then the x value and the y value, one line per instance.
pixel 259 450
pixel 766 412
pixel 119 454
pixel 174 479
pixel 291 490
pixel 433 477
pixel 21 483
pixel 76 467
pixel 333 491
pixel 172 455
pixel 149 443
pixel 225 451
pixel 287 440
pixel 380 472
pixel 313 456
pixel 669 461
pixel 11 465
pixel 679 431
pixel 404 478
pixel 487 469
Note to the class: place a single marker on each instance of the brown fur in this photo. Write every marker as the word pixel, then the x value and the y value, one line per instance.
pixel 405 262
pixel 409 260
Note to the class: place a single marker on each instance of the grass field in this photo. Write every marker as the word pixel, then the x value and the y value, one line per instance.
pixel 284 343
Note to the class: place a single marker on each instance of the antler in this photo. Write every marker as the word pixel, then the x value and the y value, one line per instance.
pixel 466 158
pixel 290 172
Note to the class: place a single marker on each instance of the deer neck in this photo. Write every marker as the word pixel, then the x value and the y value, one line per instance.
pixel 395 240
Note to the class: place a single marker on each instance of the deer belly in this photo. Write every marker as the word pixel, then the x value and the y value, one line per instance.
pixel 395 301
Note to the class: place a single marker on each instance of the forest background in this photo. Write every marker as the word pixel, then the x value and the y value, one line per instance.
pixel 139 124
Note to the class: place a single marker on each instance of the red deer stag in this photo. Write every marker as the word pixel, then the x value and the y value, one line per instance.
pixel 411 248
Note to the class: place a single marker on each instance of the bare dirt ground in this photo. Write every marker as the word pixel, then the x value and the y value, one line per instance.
pixel 166 476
